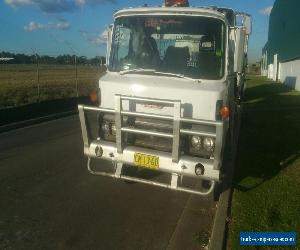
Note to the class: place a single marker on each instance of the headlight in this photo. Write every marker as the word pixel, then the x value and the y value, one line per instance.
pixel 204 146
pixel 107 129
pixel 209 144
pixel 196 142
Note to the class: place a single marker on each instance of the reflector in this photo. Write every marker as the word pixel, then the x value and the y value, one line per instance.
pixel 179 3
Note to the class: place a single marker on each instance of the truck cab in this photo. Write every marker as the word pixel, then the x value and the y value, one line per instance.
pixel 167 101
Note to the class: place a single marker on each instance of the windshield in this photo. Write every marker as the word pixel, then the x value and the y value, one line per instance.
pixel 190 46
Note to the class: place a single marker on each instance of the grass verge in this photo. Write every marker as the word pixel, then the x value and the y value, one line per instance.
pixel 267 179
pixel 19 84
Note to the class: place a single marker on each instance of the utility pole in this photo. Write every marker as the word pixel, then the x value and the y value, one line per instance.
pixel 37 74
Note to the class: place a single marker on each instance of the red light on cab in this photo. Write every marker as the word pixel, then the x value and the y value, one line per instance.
pixel 177 3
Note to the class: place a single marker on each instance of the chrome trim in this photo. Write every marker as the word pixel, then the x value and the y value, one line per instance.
pixel 191 132
pixel 176 131
pixel 147 115
pixel 146 132
pixel 118 123
pixel 85 135
pixel 98 109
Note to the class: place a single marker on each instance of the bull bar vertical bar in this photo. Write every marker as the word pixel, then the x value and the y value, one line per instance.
pixel 176 131
pixel 118 122
pixel 84 130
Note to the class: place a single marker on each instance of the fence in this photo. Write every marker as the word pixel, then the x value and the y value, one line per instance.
pixel 28 83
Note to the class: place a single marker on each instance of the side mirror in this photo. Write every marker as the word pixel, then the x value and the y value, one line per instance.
pixel 240 46
pixel 244 20
pixel 109 39
pixel 248 24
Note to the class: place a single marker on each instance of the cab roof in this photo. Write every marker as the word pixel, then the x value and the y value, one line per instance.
pixel 196 11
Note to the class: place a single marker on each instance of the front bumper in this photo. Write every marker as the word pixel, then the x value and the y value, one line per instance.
pixel 184 167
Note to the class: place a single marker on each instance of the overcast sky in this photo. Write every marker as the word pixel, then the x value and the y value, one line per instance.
pixel 55 27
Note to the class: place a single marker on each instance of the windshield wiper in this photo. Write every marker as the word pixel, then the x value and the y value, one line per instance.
pixel 177 75
pixel 153 71
pixel 137 70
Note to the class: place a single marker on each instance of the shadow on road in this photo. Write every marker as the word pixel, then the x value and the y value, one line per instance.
pixel 35 110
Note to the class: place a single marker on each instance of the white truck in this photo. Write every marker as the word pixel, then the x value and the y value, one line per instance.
pixel 167 102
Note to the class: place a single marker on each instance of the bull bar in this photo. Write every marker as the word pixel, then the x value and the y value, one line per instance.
pixel 173 163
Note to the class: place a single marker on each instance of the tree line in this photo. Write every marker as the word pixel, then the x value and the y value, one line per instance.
pixel 44 59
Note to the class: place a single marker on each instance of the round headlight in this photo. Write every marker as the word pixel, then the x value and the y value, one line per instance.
pixel 196 142
pixel 209 144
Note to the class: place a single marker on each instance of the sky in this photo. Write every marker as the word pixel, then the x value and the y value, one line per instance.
pixel 53 27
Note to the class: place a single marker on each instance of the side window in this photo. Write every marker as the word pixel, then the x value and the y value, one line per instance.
pixel 121 43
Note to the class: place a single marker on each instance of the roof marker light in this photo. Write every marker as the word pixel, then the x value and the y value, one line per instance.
pixel 177 3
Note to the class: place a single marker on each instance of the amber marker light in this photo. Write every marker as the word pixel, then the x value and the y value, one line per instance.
pixel 225 112
pixel 94 97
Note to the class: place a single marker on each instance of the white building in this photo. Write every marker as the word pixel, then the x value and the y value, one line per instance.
pixel 281 54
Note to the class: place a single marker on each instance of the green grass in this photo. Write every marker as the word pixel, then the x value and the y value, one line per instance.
pixel 267 180
pixel 18 83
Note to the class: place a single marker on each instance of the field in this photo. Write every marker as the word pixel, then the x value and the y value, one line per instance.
pixel 19 83
pixel 267 181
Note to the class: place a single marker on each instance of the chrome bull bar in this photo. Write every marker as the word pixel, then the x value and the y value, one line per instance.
pixel 175 136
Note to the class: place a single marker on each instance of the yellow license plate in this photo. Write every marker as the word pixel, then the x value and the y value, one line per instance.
pixel 146 161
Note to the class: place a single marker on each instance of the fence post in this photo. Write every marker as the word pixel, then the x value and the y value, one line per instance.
pixel 76 76
pixel 38 75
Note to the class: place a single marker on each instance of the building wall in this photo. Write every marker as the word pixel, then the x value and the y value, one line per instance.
pixel 289 74
pixel 283 44
pixel 284 31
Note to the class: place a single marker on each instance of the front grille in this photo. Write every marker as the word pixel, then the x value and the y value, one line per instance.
pixel 154 125
pixel 153 142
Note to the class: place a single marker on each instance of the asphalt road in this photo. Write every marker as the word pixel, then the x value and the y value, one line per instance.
pixel 48 200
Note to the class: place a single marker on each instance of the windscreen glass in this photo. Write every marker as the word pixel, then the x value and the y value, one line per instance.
pixel 190 46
